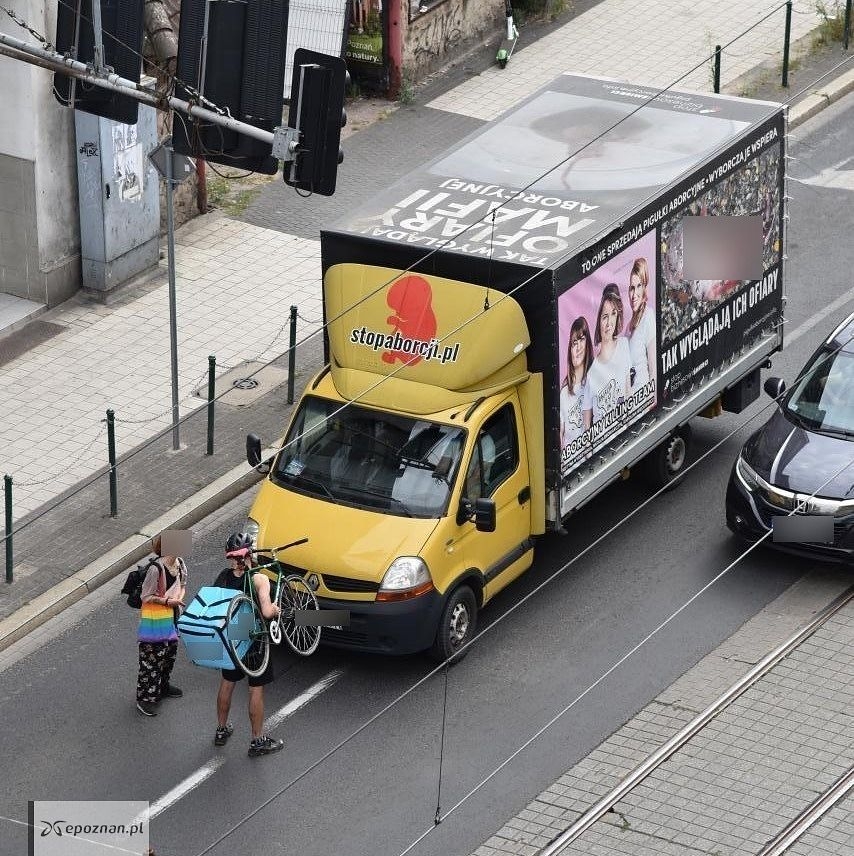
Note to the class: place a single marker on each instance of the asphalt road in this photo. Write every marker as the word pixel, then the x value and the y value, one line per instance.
pixel 70 730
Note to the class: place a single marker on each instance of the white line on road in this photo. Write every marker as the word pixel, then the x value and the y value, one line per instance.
pixel 818 317
pixel 301 700
pixel 207 770
pixel 182 789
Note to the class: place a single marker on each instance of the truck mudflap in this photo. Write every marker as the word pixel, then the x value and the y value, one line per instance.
pixel 393 627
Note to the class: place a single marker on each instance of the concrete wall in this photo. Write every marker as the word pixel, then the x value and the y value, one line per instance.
pixel 39 229
pixel 440 33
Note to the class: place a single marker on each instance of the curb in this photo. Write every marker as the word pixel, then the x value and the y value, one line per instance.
pixel 820 98
pixel 83 582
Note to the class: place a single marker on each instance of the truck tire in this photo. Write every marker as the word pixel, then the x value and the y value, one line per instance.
pixel 664 465
pixel 456 626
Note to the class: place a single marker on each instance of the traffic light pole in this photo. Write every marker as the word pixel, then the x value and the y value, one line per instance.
pixel 173 312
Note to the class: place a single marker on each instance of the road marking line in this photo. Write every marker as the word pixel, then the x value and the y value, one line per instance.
pixel 301 700
pixel 182 789
pixel 817 318
pixel 207 770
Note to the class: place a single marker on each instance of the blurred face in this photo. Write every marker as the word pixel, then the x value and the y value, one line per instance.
pixel 577 349
pixel 637 292
pixel 607 321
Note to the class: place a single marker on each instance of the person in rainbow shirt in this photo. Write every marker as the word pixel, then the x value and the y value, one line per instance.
pixel 163 593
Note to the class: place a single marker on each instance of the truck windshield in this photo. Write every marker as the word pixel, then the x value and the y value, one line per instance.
pixel 823 397
pixel 370 459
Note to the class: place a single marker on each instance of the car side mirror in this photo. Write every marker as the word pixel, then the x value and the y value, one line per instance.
pixel 775 387
pixel 253 453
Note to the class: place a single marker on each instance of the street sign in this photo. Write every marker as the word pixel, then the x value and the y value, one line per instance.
pixel 182 166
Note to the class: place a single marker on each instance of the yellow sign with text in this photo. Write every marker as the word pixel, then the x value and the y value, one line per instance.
pixel 428 329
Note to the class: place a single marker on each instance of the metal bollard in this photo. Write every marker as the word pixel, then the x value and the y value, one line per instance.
pixel 787 38
pixel 717 77
pixel 211 396
pixel 111 453
pixel 292 356
pixel 7 491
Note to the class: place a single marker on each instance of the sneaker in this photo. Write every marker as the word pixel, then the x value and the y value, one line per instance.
pixel 172 692
pixel 222 734
pixel 264 746
pixel 146 708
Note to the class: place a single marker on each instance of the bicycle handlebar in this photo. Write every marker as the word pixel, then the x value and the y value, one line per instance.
pixel 275 550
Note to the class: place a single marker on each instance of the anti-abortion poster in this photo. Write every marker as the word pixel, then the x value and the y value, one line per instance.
pixel 608 345
pixel 704 321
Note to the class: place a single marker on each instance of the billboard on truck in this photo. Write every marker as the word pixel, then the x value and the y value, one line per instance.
pixel 577 202
pixel 634 333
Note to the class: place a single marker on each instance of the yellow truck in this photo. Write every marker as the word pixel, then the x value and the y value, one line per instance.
pixel 509 330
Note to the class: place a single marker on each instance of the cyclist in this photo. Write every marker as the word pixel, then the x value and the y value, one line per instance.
pixel 238 550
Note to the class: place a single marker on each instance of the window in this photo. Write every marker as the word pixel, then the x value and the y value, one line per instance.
pixel 495 457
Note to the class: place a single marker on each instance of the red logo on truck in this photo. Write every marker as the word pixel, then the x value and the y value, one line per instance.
pixel 411 298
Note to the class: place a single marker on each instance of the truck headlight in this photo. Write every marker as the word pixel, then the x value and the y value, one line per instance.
pixel 407 577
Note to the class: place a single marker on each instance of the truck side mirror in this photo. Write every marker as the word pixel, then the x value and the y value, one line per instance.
pixel 481 512
pixel 775 387
pixel 484 515
pixel 253 452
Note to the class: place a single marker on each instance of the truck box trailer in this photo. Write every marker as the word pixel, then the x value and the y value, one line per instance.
pixel 509 329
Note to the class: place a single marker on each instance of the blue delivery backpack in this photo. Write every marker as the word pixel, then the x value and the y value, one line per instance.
pixel 205 630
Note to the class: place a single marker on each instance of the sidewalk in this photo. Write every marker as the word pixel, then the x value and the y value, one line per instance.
pixel 740 780
pixel 236 280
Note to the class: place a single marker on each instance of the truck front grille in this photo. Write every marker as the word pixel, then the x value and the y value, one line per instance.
pixel 347 584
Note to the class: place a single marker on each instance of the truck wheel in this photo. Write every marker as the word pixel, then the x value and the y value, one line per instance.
pixel 664 465
pixel 456 626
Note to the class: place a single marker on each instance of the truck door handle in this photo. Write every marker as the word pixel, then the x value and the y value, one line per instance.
pixel 524 494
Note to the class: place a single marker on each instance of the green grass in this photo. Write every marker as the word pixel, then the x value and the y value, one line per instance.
pixel 832 26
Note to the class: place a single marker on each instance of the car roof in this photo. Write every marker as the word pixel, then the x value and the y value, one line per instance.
pixel 842 338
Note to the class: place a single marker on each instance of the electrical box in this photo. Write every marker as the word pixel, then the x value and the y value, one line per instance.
pixel 119 197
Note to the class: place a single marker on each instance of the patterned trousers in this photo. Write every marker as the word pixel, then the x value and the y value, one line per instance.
pixel 156 660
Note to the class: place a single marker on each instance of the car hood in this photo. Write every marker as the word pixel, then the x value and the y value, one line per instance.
pixel 790 457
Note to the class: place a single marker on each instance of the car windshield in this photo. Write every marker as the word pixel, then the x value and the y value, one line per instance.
pixel 370 459
pixel 823 396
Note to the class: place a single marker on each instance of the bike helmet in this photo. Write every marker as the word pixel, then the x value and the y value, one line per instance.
pixel 238 545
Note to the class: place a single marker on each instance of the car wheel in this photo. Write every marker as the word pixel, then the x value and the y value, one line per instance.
pixel 456 626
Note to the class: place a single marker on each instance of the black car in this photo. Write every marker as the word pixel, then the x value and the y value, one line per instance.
pixel 803 456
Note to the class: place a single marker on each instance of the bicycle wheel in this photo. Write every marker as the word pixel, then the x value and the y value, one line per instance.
pixel 248 641
pixel 295 595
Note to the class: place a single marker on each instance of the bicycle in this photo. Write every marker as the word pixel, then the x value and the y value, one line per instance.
pixel 250 634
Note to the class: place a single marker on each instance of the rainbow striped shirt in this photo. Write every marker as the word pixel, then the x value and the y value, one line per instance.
pixel 156 623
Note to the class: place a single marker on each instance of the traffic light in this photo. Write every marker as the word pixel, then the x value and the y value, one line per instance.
pixel 317 112
pixel 122 30
pixel 233 53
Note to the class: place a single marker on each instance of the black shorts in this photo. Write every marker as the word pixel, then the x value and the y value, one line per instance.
pixel 235 675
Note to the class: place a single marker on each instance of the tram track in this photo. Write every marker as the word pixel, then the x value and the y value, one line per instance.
pixel 801 824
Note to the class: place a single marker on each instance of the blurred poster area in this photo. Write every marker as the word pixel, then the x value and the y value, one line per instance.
pixel 319 26
pixel 705 320
pixel 607 351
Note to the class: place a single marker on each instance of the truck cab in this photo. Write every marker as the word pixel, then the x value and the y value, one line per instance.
pixel 411 479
